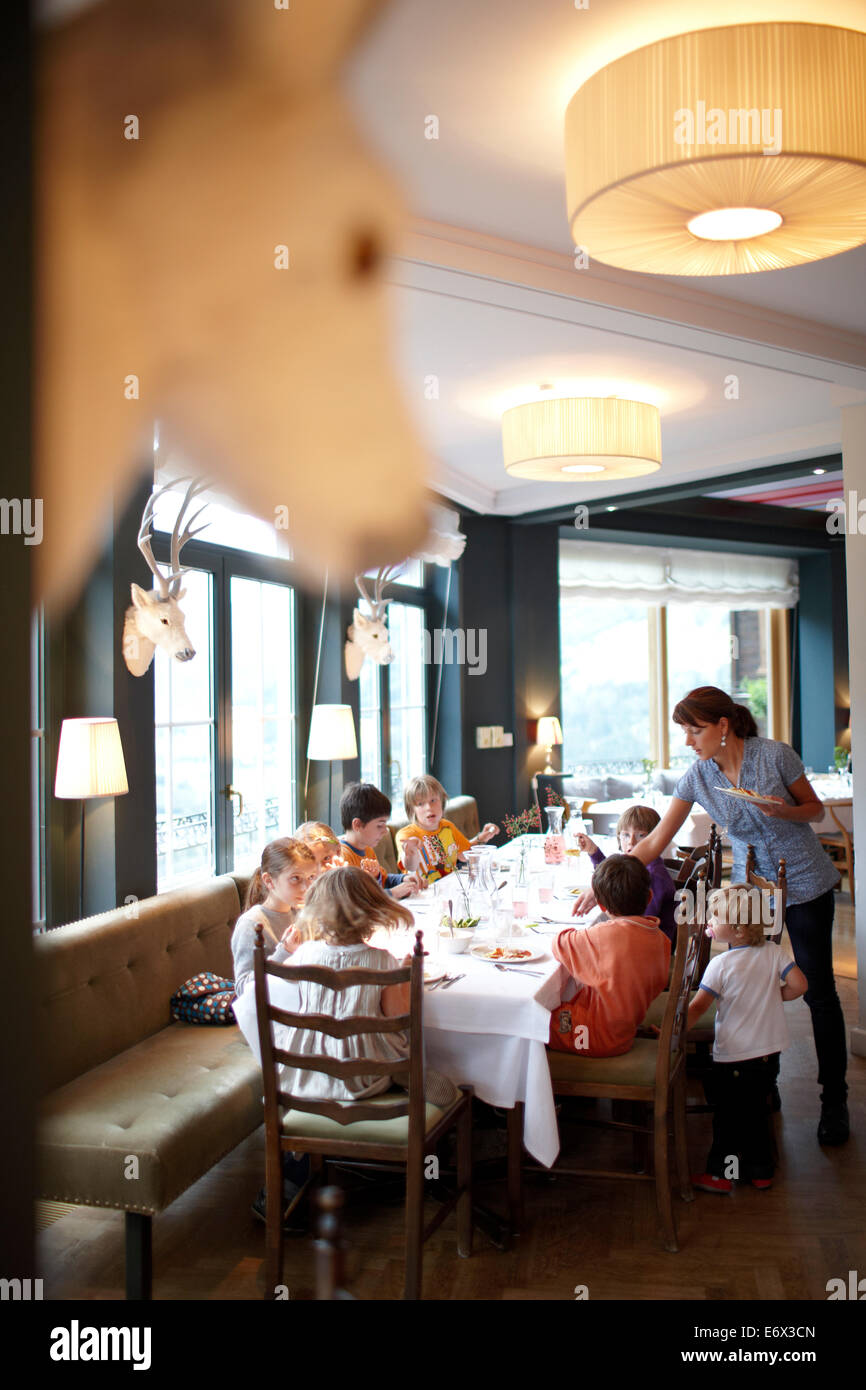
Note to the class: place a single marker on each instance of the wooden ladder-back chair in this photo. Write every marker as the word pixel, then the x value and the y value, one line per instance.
pixel 700 873
pixel 841 839
pixel 652 1074
pixel 390 1128
pixel 779 890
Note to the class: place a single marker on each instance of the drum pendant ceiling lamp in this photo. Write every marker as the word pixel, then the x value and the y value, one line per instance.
pixel 722 152
pixel 581 440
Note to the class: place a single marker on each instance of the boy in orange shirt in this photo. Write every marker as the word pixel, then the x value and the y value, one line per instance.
pixel 620 964
pixel 364 812
pixel 437 842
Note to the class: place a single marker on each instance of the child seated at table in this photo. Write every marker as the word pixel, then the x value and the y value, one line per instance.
pixel 275 895
pixel 341 912
pixel 320 838
pixel 619 964
pixel 634 825
pixel 364 812
pixel 438 842
pixel 749 981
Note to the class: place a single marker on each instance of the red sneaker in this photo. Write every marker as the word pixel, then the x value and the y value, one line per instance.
pixel 762 1183
pixel 705 1182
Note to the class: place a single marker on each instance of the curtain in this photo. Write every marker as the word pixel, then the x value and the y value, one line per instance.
pixel 651 574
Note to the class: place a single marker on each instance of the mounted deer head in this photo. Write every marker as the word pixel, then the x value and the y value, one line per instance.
pixel 155 618
pixel 368 635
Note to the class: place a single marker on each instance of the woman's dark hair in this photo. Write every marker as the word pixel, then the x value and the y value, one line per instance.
pixel 622 885
pixel 708 704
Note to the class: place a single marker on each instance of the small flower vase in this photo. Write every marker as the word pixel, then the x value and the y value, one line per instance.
pixel 522 880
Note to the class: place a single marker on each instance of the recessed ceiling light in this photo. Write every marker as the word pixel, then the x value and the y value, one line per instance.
pixel 610 509
pixel 734 224
pixel 819 470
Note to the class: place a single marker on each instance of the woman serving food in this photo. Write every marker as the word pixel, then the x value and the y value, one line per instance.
pixel 775 816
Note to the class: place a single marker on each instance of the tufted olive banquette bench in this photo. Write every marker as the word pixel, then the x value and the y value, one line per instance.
pixel 137 1108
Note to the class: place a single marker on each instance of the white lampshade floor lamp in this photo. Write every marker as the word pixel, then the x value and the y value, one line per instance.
pixel 332 739
pixel 89 763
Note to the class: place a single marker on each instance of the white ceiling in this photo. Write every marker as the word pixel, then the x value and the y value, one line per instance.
pixel 486 297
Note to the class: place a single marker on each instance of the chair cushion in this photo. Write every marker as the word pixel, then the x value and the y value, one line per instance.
pixel 637 1067
pixel 655 1013
pixel 299 1124
pixel 178 1102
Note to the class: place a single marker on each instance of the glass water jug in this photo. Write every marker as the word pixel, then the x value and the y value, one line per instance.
pixel 554 843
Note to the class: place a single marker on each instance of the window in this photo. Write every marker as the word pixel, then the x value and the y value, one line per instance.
pixel 605 669
pixel 641 626
pixel 393 705
pixel 226 722
pixel 264 713
pixel 185 745
pixel 407 697
pixel 369 691
pixel 709 645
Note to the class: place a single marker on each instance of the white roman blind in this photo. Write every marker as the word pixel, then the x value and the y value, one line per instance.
pixel 651 574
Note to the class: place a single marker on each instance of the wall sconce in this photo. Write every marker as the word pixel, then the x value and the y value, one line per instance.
pixel 550 734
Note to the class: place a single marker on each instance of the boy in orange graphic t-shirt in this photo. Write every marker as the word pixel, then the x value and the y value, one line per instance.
pixel 620 965
pixel 437 842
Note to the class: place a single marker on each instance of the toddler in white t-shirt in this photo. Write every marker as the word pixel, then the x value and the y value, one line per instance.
pixel 749 981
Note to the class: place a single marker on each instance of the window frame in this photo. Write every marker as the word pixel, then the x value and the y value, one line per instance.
pixel 224 564
pixel 776 623
pixel 415 596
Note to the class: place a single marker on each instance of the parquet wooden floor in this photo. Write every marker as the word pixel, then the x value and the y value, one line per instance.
pixel 781 1244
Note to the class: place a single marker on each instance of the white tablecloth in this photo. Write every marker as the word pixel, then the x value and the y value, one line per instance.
pixel 830 792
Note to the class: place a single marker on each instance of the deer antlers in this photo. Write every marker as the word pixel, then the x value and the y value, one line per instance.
pixel 377 605
pixel 169 584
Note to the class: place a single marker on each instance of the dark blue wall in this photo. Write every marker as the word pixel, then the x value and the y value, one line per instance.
pixel 814 733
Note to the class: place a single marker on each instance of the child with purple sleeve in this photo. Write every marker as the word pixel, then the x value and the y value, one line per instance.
pixel 632 826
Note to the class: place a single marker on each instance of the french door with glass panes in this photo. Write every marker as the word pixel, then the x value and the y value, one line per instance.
pixel 393 706
pixel 226 722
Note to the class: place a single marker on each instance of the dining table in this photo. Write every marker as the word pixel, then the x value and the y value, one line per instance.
pixel 489 1028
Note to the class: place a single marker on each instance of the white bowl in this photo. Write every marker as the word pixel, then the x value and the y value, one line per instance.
pixel 455 945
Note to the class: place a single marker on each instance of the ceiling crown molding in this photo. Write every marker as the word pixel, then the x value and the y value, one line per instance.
pixel 490 257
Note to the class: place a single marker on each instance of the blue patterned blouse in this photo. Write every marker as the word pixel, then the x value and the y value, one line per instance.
pixel 769 767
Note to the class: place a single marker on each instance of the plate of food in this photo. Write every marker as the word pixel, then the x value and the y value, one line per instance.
pixel 507 955
pixel 745 794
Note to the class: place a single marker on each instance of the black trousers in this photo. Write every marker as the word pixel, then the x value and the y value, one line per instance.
pixel 741 1120
pixel 810 927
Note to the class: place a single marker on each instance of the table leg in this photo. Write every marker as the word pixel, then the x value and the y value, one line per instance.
pixel 515 1168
